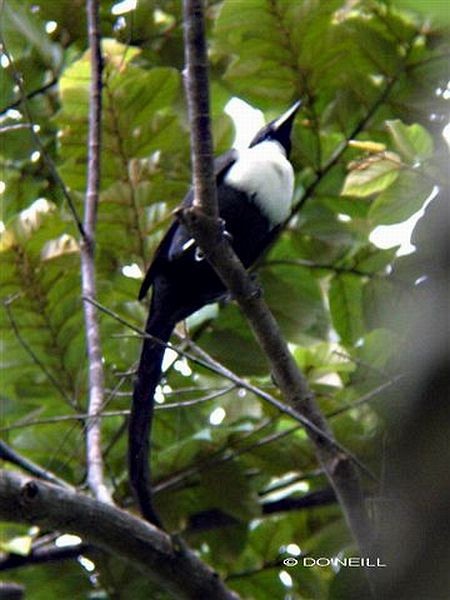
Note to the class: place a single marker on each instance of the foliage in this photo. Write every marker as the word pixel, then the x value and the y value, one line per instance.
pixel 367 151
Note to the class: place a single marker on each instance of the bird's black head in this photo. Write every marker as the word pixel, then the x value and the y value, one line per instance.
pixel 279 129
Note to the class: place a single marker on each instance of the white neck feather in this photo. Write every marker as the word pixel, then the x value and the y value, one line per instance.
pixel 265 174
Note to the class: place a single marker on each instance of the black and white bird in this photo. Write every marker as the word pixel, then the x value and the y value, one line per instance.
pixel 254 193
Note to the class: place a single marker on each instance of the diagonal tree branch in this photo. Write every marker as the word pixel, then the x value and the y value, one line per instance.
pixel 96 375
pixel 359 127
pixel 215 518
pixel 178 570
pixel 205 360
pixel 7 306
pixel 206 230
pixel 17 78
pixel 10 455
pixel 30 95
pixel 39 556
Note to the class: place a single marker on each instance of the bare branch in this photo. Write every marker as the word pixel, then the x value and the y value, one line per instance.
pixel 209 363
pixel 292 411
pixel 11 591
pixel 176 568
pixel 342 147
pixel 7 305
pixel 17 77
pixel 214 518
pixel 39 556
pixel 206 230
pixel 10 455
pixel 197 93
pixel 96 375
pixel 41 90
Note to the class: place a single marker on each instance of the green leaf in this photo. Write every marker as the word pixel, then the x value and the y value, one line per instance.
pixel 24 30
pixel 402 199
pixel 290 452
pixel 322 359
pixel 47 308
pixel 180 454
pixel 263 584
pixel 137 119
pixel 353 207
pixel 329 540
pixel 301 312
pixel 374 260
pixel 412 141
pixel 437 9
pixel 378 347
pixel 372 175
pixel 227 487
pixel 49 581
pixel 231 331
pixel 270 43
pixel 346 294
pixel 388 303
pixel 226 544
pixel 349 584
pixel 268 536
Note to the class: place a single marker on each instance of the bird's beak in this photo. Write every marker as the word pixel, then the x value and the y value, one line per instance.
pixel 279 129
pixel 287 117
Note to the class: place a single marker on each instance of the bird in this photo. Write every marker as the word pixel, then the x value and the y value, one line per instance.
pixel 255 188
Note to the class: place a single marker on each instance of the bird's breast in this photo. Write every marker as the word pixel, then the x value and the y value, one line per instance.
pixel 266 176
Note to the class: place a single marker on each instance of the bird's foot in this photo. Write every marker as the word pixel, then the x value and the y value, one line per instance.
pixel 223 231
pixel 222 234
pixel 257 291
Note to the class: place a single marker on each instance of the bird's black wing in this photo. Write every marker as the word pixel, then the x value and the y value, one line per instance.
pixel 161 251
pixel 178 237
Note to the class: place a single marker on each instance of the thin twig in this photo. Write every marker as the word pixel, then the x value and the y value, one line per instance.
pixel 341 148
pixel 309 264
pixel 44 555
pixel 94 457
pixel 222 455
pixel 305 421
pixel 367 397
pixel 29 96
pixel 10 455
pixel 15 127
pixel 209 363
pixel 17 77
pixel 32 354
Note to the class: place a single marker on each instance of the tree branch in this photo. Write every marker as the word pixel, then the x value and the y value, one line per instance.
pixel 177 569
pixel 96 375
pixel 11 591
pixel 197 93
pixel 342 147
pixel 214 518
pixel 44 555
pixel 29 96
pixel 7 306
pixel 214 366
pixel 17 77
pixel 206 230
pixel 10 455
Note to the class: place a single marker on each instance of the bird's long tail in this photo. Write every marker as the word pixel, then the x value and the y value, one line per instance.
pixel 140 423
